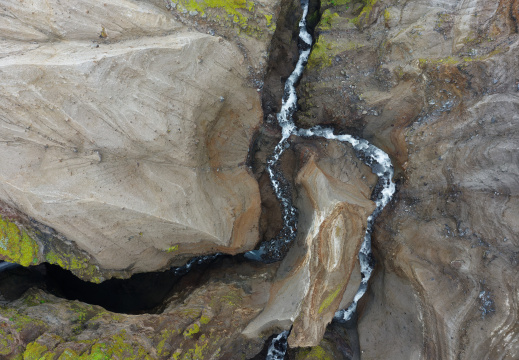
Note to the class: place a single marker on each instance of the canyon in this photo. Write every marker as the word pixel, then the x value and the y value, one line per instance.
pixel 136 137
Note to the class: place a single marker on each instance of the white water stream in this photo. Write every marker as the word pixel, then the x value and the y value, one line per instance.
pixel 271 251
pixel 376 159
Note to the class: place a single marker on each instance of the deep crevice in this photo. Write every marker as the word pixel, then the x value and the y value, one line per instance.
pixel 139 294
pixel 284 54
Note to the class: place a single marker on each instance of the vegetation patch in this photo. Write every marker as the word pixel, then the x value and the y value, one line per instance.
pixel 329 3
pixel 365 12
pixel 327 20
pixel 228 13
pixel 205 348
pixel 314 353
pixel 323 51
pixel 19 322
pixel 191 330
pixel 34 351
pixel 68 354
pixel 12 324
pixel 78 266
pixel 7 342
pixel 16 245
pixel 321 54
pixel 487 56
pixel 442 61
pixel 330 298
pixel 172 249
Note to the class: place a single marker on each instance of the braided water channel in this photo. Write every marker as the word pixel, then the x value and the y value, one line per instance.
pixel 375 158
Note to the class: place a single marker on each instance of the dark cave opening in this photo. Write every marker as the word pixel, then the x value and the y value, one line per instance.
pixel 141 293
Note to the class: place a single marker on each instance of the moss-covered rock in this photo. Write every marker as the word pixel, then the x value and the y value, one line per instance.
pixel 243 15
pixel 42 326
pixel 27 242
pixel 78 265
pixel 16 245
pixel 35 351
pixel 314 353
pixel 364 15
pixel 325 49
pixel 327 20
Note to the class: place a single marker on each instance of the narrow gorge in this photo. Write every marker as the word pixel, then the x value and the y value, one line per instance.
pixel 218 180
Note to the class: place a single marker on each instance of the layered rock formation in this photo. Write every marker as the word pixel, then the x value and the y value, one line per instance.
pixel 127 134
pixel 230 310
pixel 435 85
pixel 319 274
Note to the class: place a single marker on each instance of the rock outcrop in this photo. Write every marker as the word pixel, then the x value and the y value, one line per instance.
pixel 229 310
pixel 319 274
pixel 126 133
pixel 202 322
pixel 435 85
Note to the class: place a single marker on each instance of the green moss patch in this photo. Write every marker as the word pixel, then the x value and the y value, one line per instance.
pixel 172 249
pixel 78 266
pixel 13 323
pixel 7 342
pixel 327 20
pixel 34 351
pixel 323 51
pixel 329 299
pixel 329 3
pixel 321 54
pixel 363 17
pixel 235 13
pixel 314 353
pixel 16 245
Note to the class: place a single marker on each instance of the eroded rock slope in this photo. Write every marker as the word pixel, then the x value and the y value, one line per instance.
pixel 126 132
pixel 435 84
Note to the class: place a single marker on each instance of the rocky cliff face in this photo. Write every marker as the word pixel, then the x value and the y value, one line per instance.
pixel 126 131
pixel 435 85
pixel 202 322
pixel 229 310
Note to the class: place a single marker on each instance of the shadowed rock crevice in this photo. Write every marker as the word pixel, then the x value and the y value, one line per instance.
pixel 283 56
pixel 204 306
pixel 139 294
